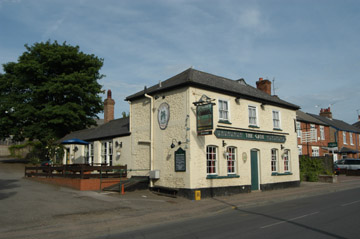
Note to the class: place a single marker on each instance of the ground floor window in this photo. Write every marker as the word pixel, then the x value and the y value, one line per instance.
pixel 89 153
pixel 211 159
pixel 106 153
pixel 231 159
pixel 274 156
pixel 287 161
pixel 315 151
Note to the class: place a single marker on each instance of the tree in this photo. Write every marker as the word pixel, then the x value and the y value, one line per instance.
pixel 50 91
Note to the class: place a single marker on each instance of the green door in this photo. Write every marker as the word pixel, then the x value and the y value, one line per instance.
pixel 254 170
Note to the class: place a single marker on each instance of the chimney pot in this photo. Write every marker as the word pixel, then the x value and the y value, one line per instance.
pixel 264 85
pixel 326 113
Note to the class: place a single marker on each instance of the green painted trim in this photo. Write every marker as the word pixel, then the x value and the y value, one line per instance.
pixel 281 174
pixel 254 126
pixel 277 129
pixel 247 135
pixel 224 122
pixel 222 177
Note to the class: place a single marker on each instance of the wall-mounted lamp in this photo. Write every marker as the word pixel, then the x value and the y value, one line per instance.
pixel 263 106
pixel 282 147
pixel 76 149
pixel 172 143
pixel 223 143
pixel 237 100
pixel 117 144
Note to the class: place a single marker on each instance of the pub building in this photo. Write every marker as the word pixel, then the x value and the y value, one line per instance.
pixel 198 133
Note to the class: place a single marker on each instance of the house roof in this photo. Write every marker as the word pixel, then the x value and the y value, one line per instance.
pixel 357 124
pixel 337 124
pixel 304 117
pixel 203 80
pixel 112 129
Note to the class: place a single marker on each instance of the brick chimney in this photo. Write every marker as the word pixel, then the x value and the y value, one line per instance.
pixel 108 108
pixel 264 85
pixel 326 113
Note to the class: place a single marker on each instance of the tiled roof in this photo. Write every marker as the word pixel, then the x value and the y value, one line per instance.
pixel 337 124
pixel 112 129
pixel 304 117
pixel 203 80
pixel 357 124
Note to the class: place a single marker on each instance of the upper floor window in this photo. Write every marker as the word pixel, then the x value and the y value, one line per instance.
pixel 224 110
pixel 274 156
pixel 322 132
pixel 298 129
pixel 344 137
pixel 313 133
pixel 231 159
pixel 211 159
pixel 351 139
pixel 276 119
pixel 253 116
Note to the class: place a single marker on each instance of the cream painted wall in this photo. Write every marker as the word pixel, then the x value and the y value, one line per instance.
pixel 183 116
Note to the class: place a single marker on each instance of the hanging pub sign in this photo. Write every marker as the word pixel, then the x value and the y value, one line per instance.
pixel 180 160
pixel 204 115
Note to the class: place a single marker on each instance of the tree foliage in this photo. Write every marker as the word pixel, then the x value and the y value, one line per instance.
pixel 50 91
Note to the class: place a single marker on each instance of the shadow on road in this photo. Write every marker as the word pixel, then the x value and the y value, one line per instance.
pixel 281 220
pixel 6 185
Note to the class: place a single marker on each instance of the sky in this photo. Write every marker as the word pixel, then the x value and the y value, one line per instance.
pixel 310 48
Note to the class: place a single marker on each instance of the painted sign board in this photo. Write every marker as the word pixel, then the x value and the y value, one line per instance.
pixel 204 117
pixel 332 144
pixel 180 160
pixel 245 135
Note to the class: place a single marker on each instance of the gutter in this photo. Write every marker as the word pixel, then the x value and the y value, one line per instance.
pixel 151 135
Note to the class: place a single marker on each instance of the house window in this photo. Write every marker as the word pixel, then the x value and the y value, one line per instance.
pixel 106 153
pixel 274 160
pixel 322 133
pixel 287 161
pixel 223 110
pixel 315 151
pixel 298 129
pixel 313 133
pixel 231 159
pixel 300 149
pixel 351 139
pixel 276 119
pixel 211 158
pixel 344 137
pixel 89 153
pixel 252 116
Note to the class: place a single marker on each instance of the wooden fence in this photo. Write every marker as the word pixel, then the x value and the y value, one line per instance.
pixel 82 171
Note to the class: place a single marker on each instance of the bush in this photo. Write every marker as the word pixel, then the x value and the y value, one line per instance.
pixel 311 168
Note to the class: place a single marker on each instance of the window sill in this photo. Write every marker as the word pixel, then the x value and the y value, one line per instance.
pixel 277 129
pixel 281 174
pixel 224 122
pixel 254 126
pixel 222 177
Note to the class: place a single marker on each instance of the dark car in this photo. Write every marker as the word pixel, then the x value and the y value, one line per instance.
pixel 346 164
pixel 46 163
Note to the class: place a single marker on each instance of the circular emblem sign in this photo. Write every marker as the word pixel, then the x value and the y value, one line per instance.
pixel 163 115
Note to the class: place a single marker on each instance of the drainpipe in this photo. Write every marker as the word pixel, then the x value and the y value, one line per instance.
pixel 151 136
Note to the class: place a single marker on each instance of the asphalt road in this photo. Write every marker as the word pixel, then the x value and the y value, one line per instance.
pixel 334 215
pixel 29 209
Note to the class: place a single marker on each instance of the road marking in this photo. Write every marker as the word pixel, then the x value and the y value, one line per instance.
pixel 292 219
pixel 347 204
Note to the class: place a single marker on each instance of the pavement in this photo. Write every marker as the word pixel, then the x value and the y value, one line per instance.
pixel 30 209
